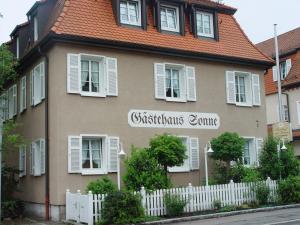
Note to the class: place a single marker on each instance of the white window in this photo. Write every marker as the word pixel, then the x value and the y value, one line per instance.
pixel 175 82
pixel 12 101
pixel 22 94
pixel 92 154
pixel 169 18
pixel 92 75
pixel 285 68
pixel 22 160
pixel 192 153
pixel 35 29
pixel 205 24
pixel 37 157
pixel 4 106
pixel 298 111
pixel 130 11
pixel 37 84
pixel 285 113
pixel 243 88
pixel 17 47
pixel 252 149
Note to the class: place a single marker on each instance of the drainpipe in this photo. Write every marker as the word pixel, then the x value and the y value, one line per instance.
pixel 47 172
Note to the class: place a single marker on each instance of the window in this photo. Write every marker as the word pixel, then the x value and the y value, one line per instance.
pixel 4 106
pixel 243 88
pixel 252 150
pixel 35 29
pixel 286 113
pixel 37 84
pixel 192 153
pixel 130 11
pixel 169 18
pixel 205 24
pixel 37 157
pixel 246 153
pixel 12 101
pixel 175 82
pixel 92 154
pixel 298 111
pixel 23 94
pixel 22 160
pixel 285 67
pixel 92 75
pixel 17 47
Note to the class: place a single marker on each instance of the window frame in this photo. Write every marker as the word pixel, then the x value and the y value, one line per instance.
pixel 23 94
pixel 97 171
pixel 248 89
pixel 253 143
pixel 13 98
pixel 283 68
pixel 35 90
pixel 139 13
pixel 212 23
pixel 22 156
pixel 35 28
pixel 298 111
pixel 177 17
pixel 185 167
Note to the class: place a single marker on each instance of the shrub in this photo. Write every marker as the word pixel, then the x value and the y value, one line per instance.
pixel 289 190
pixel 262 192
pixel 228 208
pixel 250 175
pixel 12 208
pixel 144 170
pixel 101 186
pixel 217 204
pixel 122 207
pixel 174 205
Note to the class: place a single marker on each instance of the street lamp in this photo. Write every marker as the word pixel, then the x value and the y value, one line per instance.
pixel 207 150
pixel 279 149
pixel 121 155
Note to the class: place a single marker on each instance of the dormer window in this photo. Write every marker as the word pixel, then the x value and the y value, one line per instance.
pixel 35 29
pixel 205 24
pixel 169 18
pixel 130 12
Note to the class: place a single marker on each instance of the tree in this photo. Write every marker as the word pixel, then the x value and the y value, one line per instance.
pixel 271 166
pixel 228 147
pixel 144 170
pixel 168 150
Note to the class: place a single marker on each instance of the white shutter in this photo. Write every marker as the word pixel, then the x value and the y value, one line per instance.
pixel 23 94
pixel 160 80
pixel 37 85
pixel 43 156
pixel 274 73
pixel 191 83
pixel 31 88
pixel 256 90
pixel 259 147
pixel 194 153
pixel 112 76
pixel 15 103
pixel 22 160
pixel 288 64
pixel 31 159
pixel 74 154
pixel 42 75
pixel 10 103
pixel 230 87
pixel 37 158
pixel 113 148
pixel 73 76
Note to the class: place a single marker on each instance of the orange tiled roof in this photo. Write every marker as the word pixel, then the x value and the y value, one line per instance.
pixel 95 19
pixel 293 77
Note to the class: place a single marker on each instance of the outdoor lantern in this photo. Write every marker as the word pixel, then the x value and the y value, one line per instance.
pixel 283 146
pixel 121 153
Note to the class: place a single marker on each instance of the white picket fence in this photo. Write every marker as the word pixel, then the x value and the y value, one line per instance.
pixel 87 208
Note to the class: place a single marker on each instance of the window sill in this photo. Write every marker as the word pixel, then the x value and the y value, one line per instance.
pixel 87 172
pixel 243 105
pixel 176 100
pixel 87 94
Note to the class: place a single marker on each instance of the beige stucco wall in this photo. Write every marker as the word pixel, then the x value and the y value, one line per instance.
pixel 73 115
pixel 272 107
pixel 294 96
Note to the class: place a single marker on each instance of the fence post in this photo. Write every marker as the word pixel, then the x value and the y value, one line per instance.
pixel 90 208
pixel 143 195
pixel 78 206
pixel 191 203
pixel 232 197
pixel 67 204
pixel 268 184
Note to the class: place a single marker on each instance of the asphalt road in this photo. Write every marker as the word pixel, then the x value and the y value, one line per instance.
pixel 277 217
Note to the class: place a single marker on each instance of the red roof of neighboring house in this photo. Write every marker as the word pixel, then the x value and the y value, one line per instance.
pixel 287 43
pixel 293 77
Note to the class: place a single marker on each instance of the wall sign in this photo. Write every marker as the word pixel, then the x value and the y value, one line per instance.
pixel 171 119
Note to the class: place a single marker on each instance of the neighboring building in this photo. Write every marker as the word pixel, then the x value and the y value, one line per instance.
pixel 289 51
pixel 94 73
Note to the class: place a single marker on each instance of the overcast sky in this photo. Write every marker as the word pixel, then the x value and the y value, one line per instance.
pixel 255 16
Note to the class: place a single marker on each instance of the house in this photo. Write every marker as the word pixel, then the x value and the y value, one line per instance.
pixel 289 54
pixel 96 73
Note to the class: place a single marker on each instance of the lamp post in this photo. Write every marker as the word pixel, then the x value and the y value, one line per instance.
pixel 207 150
pixel 121 155
pixel 279 149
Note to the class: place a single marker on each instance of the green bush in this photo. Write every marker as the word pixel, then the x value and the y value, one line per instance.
pixel 101 186
pixel 174 205
pixel 144 170
pixel 289 190
pixel 228 208
pixel 251 175
pixel 12 208
pixel 217 204
pixel 262 192
pixel 122 207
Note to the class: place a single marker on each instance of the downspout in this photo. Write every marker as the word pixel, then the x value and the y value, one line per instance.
pixel 47 172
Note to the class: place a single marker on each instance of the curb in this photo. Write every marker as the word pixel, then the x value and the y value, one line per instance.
pixel 218 215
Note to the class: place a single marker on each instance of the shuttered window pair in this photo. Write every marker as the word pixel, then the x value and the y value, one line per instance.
pixel 252 151
pixel 193 156
pixel 22 160
pixel 37 84
pixel 12 101
pixel 22 94
pixel 243 88
pixel 92 154
pixel 285 68
pixel 92 75
pixel 175 82
pixel 37 157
